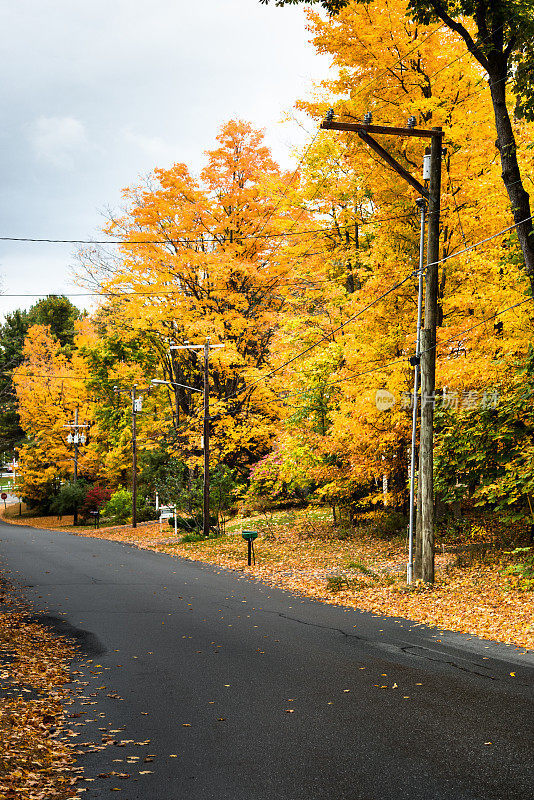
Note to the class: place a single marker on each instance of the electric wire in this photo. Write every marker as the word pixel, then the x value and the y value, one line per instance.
pixel 325 337
pixel 353 376
pixel 197 241
pixel 328 336
pixel 481 242
pixel 403 360
pixel 373 302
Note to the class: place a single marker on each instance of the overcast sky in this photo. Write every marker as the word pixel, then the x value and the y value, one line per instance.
pixel 95 93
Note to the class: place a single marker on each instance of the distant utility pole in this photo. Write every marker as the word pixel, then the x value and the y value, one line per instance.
pixel 428 334
pixel 205 427
pixel 137 405
pixel 76 438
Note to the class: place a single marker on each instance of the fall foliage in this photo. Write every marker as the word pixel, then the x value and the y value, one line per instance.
pixel 304 285
pixel 308 280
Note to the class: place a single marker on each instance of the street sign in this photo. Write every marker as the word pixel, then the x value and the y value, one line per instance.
pixel 168 512
pixel 3 496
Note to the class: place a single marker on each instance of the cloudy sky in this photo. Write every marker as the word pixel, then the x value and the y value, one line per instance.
pixel 95 93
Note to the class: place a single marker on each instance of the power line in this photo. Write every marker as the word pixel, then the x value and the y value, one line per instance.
pixel 246 388
pixel 482 241
pixel 159 293
pixel 403 360
pixel 350 319
pixel 352 376
pixel 354 95
pixel 202 241
pixel 323 338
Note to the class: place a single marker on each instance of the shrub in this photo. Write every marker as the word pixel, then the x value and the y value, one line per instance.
pixel 71 496
pixel 192 537
pixel 119 506
pixel 95 498
pixel 389 523
pixel 186 523
pixel 522 571
pixel 146 514
pixel 268 486
pixel 191 523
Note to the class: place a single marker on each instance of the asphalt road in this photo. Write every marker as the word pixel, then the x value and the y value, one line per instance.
pixel 199 683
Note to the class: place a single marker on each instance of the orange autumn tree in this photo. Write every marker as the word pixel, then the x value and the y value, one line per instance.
pixel 372 244
pixel 49 386
pixel 207 258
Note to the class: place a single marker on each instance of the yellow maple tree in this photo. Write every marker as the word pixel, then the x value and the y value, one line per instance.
pixel 49 387
pixel 394 68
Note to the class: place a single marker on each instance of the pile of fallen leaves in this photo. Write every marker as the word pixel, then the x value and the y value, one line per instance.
pixel 307 556
pixel 36 761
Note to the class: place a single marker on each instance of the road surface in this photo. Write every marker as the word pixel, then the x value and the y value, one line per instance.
pixel 203 684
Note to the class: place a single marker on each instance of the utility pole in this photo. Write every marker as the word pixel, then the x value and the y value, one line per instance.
pixel 206 437
pixel 134 457
pixel 75 448
pixel 76 438
pixel 137 405
pixel 416 361
pixel 428 363
pixel 205 427
pixel 428 334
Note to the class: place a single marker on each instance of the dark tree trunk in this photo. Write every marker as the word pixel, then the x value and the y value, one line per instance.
pixel 490 20
pixel 511 175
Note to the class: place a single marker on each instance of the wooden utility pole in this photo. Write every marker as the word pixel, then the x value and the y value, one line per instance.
pixel 428 334
pixel 206 438
pixel 205 426
pixel 137 403
pixel 75 437
pixel 428 364
pixel 76 441
pixel 134 457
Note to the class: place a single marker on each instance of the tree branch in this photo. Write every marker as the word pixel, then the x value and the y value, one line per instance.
pixel 461 31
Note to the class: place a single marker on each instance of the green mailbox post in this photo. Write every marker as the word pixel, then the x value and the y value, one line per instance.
pixel 249 537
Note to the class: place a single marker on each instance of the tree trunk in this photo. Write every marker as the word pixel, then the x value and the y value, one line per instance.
pixel 511 175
